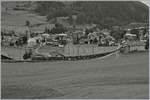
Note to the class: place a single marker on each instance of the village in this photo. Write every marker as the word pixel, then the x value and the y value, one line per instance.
pixel 59 37
pixel 33 33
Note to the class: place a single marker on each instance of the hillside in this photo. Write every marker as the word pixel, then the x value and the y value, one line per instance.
pixel 68 13
pixel 97 12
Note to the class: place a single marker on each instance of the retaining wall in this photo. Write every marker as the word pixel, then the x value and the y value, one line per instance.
pixel 65 58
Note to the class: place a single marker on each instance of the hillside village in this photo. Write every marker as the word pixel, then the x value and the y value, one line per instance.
pixel 22 25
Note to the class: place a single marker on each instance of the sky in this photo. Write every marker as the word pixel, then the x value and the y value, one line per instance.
pixel 147 2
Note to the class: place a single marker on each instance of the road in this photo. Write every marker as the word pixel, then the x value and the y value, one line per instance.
pixel 117 76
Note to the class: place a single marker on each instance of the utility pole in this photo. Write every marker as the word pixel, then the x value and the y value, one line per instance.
pixel 78 50
pixel 92 49
pixel 28 30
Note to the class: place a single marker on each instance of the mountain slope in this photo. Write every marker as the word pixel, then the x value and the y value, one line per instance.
pixel 99 12
pixel 114 12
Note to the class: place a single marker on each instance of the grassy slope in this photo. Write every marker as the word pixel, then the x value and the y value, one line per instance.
pixel 15 19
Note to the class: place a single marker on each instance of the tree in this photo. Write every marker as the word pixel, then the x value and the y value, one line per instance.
pixel 117 34
pixel 58 29
pixel 27 23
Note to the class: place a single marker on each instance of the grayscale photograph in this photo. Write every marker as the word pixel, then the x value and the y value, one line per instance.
pixel 74 49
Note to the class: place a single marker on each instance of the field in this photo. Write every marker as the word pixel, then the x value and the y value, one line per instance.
pixel 117 76
pixel 16 20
